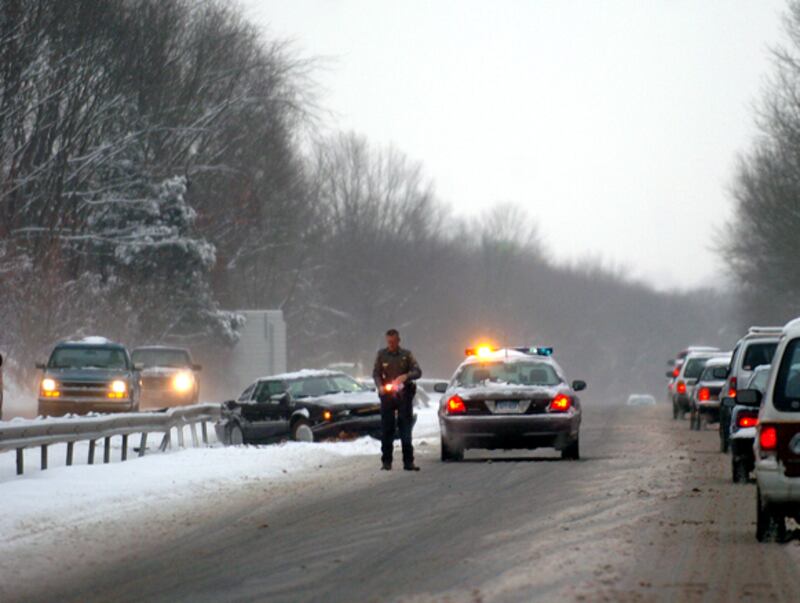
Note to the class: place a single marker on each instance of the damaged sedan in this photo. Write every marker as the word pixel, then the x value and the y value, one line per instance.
pixel 307 406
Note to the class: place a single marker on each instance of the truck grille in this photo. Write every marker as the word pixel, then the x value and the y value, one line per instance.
pixel 81 389
pixel 160 382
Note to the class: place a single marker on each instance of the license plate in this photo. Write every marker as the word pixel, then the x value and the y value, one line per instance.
pixel 507 406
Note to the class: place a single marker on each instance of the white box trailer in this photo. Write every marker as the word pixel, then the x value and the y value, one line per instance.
pixel 261 349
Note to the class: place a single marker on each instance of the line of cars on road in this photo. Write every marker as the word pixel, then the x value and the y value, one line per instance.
pixel 753 393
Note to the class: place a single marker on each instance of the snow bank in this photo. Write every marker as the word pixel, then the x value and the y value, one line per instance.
pixel 39 500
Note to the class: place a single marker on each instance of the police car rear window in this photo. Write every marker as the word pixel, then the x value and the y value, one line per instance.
pixel 787 385
pixel 512 373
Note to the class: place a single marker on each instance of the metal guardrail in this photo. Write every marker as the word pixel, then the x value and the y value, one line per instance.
pixel 19 436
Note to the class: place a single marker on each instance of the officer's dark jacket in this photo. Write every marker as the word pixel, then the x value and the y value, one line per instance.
pixel 389 366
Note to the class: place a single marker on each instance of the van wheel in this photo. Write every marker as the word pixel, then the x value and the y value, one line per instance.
pixel 741 472
pixel 770 524
pixel 451 453
pixel 572 452
pixel 235 434
pixel 301 431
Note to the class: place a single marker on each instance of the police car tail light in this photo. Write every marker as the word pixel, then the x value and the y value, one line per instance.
pixel 561 403
pixel 681 387
pixel 704 395
pixel 767 439
pixel 746 419
pixel 456 406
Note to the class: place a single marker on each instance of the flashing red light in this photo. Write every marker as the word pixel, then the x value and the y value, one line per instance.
pixel 704 395
pixel 561 403
pixel 747 420
pixel 456 406
pixel 389 387
pixel 681 387
pixel 768 438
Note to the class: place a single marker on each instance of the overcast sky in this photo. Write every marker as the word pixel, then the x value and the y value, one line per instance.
pixel 616 124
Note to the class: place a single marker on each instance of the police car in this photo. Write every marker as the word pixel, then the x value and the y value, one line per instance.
pixel 509 398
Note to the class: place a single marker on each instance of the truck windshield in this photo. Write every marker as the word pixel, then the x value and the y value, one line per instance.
pixel 88 357
pixel 159 357
pixel 512 373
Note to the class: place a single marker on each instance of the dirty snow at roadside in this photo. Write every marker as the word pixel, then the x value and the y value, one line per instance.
pixel 64 495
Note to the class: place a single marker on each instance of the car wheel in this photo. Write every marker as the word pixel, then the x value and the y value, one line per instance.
pixel 741 472
pixel 301 431
pixel 572 452
pixel 451 453
pixel 770 525
pixel 235 434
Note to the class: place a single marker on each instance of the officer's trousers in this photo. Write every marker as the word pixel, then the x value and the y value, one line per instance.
pixel 403 407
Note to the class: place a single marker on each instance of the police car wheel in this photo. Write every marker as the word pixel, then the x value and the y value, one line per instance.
pixel 572 452
pixel 301 431
pixel 235 434
pixel 451 454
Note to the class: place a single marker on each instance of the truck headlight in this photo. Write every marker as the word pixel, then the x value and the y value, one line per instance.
pixel 118 389
pixel 50 388
pixel 183 382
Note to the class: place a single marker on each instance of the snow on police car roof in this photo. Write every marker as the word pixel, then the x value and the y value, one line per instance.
pixel 302 374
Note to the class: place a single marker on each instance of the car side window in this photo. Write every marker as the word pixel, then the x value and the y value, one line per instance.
pixel 267 389
pixel 787 384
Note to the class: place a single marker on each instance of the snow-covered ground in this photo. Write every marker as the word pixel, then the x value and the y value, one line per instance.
pixel 68 496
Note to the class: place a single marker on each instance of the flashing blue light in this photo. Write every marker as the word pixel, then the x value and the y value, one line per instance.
pixel 536 351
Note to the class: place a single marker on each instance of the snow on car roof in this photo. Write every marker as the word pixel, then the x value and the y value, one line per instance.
pixel 719 360
pixel 91 340
pixel 301 374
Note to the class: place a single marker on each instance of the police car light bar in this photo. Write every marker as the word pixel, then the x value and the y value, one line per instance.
pixel 535 351
pixel 756 330
pixel 482 350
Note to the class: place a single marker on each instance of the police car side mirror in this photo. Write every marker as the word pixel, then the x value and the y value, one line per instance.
pixel 440 388
pixel 748 397
pixel 579 386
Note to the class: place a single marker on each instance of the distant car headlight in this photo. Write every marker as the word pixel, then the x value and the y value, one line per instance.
pixel 183 382
pixel 49 385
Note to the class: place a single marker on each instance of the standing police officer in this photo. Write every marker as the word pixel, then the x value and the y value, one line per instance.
pixel 395 371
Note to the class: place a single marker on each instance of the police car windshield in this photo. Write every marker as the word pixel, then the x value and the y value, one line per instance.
pixel 88 357
pixel 511 373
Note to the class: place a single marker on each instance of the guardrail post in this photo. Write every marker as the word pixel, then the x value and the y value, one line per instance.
pixel 124 446
pixel 165 442
pixel 106 449
pixel 91 452
pixel 204 431
pixel 70 448
pixel 193 428
pixel 180 436
pixel 44 457
pixel 143 444
pixel 20 460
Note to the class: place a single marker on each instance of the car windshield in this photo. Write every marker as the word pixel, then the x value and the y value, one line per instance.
pixel 320 386
pixel 758 354
pixel 694 367
pixel 162 357
pixel 511 373
pixel 88 357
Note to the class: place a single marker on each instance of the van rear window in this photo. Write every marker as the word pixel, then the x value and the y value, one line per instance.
pixel 758 354
pixel 787 386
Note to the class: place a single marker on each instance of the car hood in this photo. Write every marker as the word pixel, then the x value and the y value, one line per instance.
pixel 87 374
pixel 344 400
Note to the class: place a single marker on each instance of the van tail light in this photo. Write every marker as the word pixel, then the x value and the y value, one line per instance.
pixel 768 438
pixel 746 419
pixel 456 406
pixel 732 388
pixel 676 371
pixel 681 387
pixel 704 395
pixel 561 403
